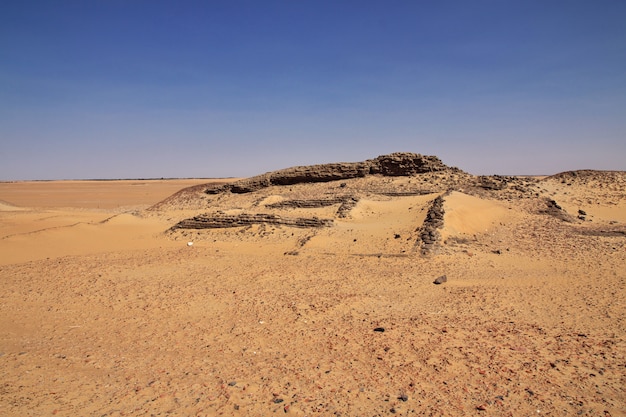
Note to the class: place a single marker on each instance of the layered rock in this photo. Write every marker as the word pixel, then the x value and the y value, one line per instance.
pixel 347 203
pixel 395 164
pixel 552 208
pixel 219 221
pixel 429 232
pixel 312 203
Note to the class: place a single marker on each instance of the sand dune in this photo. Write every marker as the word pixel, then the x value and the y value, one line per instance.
pixel 107 310
pixel 468 216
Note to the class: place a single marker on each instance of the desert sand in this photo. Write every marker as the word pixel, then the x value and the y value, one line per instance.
pixel 310 291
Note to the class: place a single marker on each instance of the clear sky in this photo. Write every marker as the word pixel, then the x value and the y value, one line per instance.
pixel 144 89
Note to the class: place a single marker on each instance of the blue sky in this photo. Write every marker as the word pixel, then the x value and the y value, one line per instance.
pixel 144 89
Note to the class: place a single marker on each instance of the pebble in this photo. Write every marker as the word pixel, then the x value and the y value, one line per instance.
pixel 379 329
pixel 440 280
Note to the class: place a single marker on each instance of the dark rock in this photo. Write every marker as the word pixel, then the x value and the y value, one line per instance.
pixel 403 397
pixel 347 203
pixel 429 234
pixel 278 400
pixel 494 182
pixel 440 280
pixel 405 164
pixel 218 220
pixel 379 329
pixel 606 232
pixel 553 204
pixel 405 193
pixel 582 212
pixel 307 203
pixel 395 164
pixel 553 209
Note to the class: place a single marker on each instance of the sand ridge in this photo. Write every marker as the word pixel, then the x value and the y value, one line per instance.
pixel 112 312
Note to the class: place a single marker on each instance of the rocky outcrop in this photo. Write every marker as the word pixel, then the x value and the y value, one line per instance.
pixel 404 193
pixel 553 209
pixel 493 182
pixel 405 164
pixel 313 203
pixel 429 233
pixel 615 232
pixel 395 164
pixel 345 207
pixel 347 203
pixel 219 221
pixel 585 176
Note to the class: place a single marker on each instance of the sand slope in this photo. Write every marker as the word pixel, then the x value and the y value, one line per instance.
pixel 110 312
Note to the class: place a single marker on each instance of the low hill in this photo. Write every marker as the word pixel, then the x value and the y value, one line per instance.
pixel 416 204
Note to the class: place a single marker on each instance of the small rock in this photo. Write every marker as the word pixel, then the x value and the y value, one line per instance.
pixel 440 280
pixel 232 383
pixel 481 407
pixel 379 329
pixel 403 397
pixel 278 400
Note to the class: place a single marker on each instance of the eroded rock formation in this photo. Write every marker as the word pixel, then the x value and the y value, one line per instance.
pixel 347 203
pixel 395 164
pixel 219 221
pixel 552 208
pixel 429 231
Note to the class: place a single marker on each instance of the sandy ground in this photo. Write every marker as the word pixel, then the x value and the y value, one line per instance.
pixel 103 312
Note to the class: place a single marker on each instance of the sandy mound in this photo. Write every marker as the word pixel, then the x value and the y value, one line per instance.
pixel 4 206
pixel 467 217
pixel 593 195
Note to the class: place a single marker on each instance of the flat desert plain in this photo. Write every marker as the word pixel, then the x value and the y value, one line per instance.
pixel 310 291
